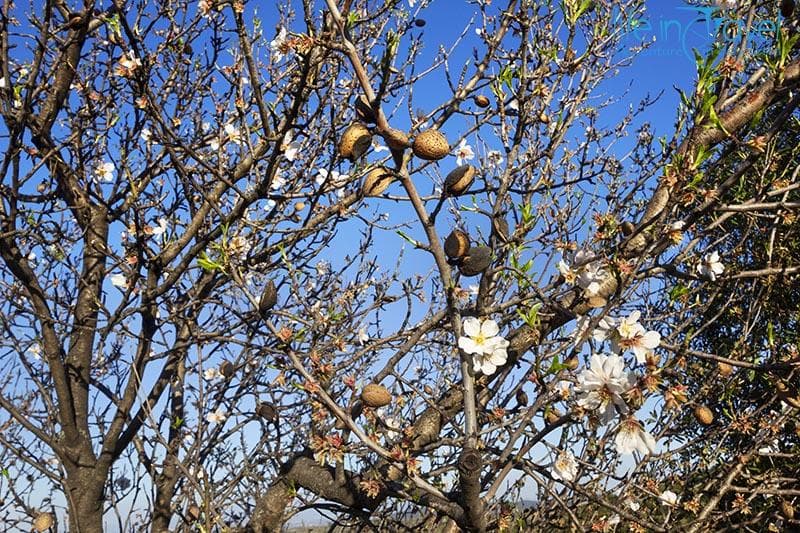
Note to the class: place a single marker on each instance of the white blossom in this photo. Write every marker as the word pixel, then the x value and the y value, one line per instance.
pixel 393 425
pixel 481 340
pixel 277 182
pixel 600 387
pixel 105 171
pixel 632 335
pixel 290 147
pixel 632 504
pixel 668 498
pixel 711 266
pixel 464 152
pixel 337 179
pixel 322 267
pixel 631 437
pixel 161 228
pixel 146 135
pixel 211 373
pixel 127 64
pixel 565 467
pixel 584 271
pixel 35 350
pixel 278 45
pixel 119 281
pixel 233 133
pixel 217 417
pixel 378 147
pixel 494 158
pixel 363 337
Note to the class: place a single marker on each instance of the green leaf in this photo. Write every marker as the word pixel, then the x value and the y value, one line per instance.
pixel 676 292
pixel 555 366
pixel 207 263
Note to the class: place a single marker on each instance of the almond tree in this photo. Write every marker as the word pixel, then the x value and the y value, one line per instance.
pixel 238 260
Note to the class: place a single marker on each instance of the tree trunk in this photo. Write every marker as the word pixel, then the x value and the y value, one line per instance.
pixel 84 488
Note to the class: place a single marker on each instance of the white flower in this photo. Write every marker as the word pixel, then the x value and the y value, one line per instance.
pixel 146 135
pixel 214 144
pixel 482 341
pixel 584 271
pixel 394 426
pixel 234 135
pixel 378 147
pixel 494 158
pixel 591 278
pixel 631 437
pixel 363 337
pixel 323 267
pixel 290 147
pixel 105 172
pixel 3 83
pixel 600 387
pixel 335 177
pixel 606 329
pixel 162 227
pixel 218 416
pixel 35 350
pixel 711 266
pixel 464 152
pixel 119 281
pixel 668 498
pixel 269 205
pixel 277 183
pixel 278 45
pixel 565 467
pixel 632 504
pixel 632 335
pixel 127 65
pixel 211 373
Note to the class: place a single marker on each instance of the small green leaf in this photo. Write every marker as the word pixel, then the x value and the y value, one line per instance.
pixel 676 292
pixel 207 263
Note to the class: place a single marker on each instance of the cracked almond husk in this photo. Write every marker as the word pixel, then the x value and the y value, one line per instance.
pixel 456 244
pixel 355 141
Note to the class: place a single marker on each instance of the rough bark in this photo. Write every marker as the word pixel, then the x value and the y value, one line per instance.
pixel 469 470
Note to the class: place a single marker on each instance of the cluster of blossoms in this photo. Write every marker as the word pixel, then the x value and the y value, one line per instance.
pixel 584 271
pixel 481 340
pixel 328 449
pixel 601 388
pixel 627 334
